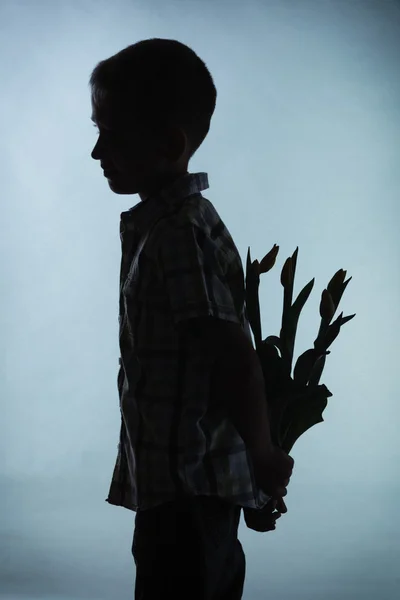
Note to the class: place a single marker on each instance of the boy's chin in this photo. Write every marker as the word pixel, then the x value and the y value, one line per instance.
pixel 119 189
pixel 121 186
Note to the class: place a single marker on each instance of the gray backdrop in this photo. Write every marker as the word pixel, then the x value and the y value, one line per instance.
pixel 303 150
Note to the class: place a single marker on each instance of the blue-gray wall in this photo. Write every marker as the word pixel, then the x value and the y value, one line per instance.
pixel 303 150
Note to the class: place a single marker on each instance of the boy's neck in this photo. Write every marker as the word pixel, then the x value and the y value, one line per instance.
pixel 160 183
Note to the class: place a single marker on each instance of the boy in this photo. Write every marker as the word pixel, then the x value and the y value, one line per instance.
pixel 194 445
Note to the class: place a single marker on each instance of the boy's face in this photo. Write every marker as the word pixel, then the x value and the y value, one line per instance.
pixel 135 160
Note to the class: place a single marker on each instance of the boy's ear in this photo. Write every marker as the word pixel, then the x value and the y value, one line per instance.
pixel 174 143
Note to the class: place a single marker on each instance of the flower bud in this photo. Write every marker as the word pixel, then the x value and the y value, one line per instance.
pixel 269 260
pixel 287 273
pixel 256 267
pixel 335 286
pixel 326 307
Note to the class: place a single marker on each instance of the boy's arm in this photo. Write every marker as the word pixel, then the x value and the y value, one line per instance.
pixel 201 302
pixel 241 384
pixel 238 381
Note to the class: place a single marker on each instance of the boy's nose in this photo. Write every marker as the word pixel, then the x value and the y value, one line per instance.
pixel 95 152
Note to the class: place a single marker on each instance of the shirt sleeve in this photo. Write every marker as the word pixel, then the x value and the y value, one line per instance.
pixel 194 273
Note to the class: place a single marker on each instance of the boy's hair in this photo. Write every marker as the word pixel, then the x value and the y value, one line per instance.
pixel 162 82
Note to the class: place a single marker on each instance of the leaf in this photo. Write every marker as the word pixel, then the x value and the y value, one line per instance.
pixel 304 366
pixel 302 298
pixel 276 412
pixel 317 370
pixel 248 261
pixel 274 340
pixel 289 323
pixel 288 332
pixel 326 308
pixel 267 352
pixel 294 261
pixel 326 336
pixel 271 364
pixel 304 422
pixel 334 287
pixel 346 319
pixel 324 340
pixel 287 336
pixel 252 299
pixel 253 312
pixel 304 414
pixel 333 332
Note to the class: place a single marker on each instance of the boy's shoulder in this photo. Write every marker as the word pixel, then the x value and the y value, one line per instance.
pixel 200 213
pixel 196 211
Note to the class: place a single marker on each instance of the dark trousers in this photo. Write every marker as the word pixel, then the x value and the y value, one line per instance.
pixel 189 550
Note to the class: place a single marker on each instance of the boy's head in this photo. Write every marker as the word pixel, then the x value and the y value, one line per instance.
pixel 152 103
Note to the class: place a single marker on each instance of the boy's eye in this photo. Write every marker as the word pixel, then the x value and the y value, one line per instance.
pixel 109 133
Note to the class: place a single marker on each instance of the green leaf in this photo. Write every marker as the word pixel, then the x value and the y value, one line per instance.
pixel 272 366
pixel 346 319
pixel 252 299
pixel 267 352
pixel 334 287
pixel 289 322
pixel 302 298
pixel 294 261
pixel 303 414
pixel 288 333
pixel 276 408
pixel 317 370
pixel 333 332
pixel 304 366
pixel 326 307
pixel 274 340
pixel 287 336
pixel 248 260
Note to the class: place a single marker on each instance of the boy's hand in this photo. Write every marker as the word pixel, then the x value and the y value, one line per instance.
pixel 267 517
pixel 272 471
pixel 275 509
pixel 279 505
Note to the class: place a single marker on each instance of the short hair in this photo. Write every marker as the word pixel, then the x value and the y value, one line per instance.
pixel 163 81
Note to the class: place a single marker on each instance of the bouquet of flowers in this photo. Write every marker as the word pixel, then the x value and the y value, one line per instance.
pixel 295 401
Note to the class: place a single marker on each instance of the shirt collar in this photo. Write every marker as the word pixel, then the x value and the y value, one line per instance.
pixel 139 217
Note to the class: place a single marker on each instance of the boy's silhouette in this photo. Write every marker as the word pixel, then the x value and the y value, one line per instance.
pixel 194 443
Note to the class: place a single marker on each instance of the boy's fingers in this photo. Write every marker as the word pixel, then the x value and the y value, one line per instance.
pixel 281 506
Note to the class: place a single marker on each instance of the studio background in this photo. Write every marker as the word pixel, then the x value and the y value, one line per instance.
pixel 303 151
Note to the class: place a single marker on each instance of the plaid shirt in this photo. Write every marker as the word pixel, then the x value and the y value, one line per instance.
pixel 178 262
